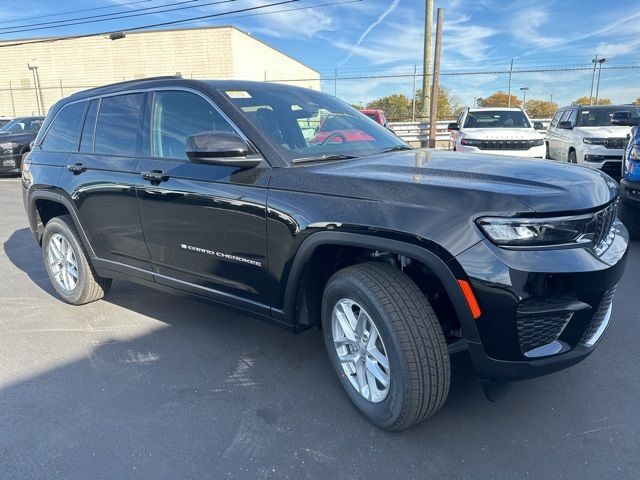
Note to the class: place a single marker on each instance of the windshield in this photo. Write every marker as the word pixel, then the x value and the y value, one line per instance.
pixel 22 125
pixel 597 117
pixel 305 124
pixel 497 119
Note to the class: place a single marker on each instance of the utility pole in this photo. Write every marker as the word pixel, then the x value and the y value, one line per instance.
pixel 426 62
pixel 433 117
pixel 593 78
pixel 510 75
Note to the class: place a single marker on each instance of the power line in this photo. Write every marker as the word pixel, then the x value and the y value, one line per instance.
pixel 110 16
pixel 175 22
pixel 74 11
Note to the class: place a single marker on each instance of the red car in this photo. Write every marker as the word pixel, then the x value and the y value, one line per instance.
pixel 334 129
pixel 377 115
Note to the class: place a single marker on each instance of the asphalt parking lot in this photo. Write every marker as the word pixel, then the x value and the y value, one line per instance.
pixel 147 385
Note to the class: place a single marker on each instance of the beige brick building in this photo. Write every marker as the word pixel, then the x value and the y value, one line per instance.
pixel 67 66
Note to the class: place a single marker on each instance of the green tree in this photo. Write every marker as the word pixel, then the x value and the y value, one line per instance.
pixel 540 108
pixel 499 99
pixel 397 107
pixel 449 105
pixel 637 102
pixel 587 101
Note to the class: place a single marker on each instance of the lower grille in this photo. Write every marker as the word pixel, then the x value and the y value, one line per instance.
pixel 598 316
pixel 540 321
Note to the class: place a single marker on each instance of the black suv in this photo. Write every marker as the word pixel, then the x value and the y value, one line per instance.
pixel 222 189
pixel 15 137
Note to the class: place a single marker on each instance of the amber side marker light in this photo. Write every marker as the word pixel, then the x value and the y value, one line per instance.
pixel 470 298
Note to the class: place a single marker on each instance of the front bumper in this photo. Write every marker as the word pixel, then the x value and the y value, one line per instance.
pixel 630 192
pixel 533 152
pixel 10 163
pixel 542 310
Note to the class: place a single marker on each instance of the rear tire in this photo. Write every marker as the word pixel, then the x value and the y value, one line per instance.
pixel 68 266
pixel 631 218
pixel 410 335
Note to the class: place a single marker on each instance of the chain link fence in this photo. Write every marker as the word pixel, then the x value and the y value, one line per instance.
pixel 542 90
pixel 398 92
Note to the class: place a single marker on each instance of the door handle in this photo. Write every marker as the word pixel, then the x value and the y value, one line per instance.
pixel 76 168
pixel 155 176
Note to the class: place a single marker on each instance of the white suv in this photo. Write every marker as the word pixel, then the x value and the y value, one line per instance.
pixel 584 135
pixel 498 131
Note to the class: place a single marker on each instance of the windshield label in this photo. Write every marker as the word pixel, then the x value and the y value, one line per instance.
pixel 238 94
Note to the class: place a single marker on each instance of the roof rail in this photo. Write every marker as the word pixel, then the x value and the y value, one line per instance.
pixel 128 82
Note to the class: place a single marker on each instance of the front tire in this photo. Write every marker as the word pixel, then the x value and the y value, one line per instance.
pixel 573 158
pixel 67 264
pixel 386 345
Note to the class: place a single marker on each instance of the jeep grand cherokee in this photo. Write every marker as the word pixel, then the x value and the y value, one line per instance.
pixel 400 256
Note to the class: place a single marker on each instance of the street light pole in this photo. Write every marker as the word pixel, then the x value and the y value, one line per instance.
pixel 600 62
pixel 593 78
pixel 524 96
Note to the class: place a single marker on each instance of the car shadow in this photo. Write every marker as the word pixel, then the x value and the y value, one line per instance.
pixel 191 389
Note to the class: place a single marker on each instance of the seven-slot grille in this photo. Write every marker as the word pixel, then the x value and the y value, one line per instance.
pixel 616 143
pixel 604 224
pixel 504 144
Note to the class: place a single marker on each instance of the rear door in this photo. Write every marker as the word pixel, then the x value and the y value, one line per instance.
pixel 205 225
pixel 101 178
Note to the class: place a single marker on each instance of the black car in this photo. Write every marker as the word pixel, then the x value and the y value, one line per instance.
pixel 15 138
pixel 400 256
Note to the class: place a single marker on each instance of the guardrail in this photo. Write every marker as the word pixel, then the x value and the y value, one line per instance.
pixel 416 132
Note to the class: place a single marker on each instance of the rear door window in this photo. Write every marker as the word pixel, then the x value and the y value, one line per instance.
pixel 119 125
pixel 64 133
pixel 88 130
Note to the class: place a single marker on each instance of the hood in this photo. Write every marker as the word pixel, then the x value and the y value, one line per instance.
pixel 502 134
pixel 21 138
pixel 484 184
pixel 603 132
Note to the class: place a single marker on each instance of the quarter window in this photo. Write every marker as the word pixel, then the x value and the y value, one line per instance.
pixel 118 129
pixel 178 115
pixel 64 133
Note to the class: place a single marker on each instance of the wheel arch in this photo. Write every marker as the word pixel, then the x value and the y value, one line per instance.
pixel 44 205
pixel 441 264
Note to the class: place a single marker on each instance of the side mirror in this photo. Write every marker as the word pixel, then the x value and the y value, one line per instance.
pixel 453 126
pixel 565 125
pixel 220 148
pixel 624 119
pixel 538 126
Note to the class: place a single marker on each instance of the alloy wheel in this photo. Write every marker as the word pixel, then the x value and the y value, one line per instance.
pixel 62 262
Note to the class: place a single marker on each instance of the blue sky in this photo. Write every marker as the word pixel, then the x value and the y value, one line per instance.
pixel 385 37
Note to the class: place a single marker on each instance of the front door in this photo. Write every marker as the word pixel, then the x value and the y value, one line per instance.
pixel 204 225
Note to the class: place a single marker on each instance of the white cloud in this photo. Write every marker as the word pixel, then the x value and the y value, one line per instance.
pixel 364 34
pixel 294 23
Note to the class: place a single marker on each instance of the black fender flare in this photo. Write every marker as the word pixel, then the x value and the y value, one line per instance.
pixel 428 258
pixel 64 201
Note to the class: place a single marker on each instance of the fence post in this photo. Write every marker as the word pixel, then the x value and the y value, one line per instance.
pixel 13 105
pixel 335 83
pixel 413 112
pixel 510 75
pixel 61 90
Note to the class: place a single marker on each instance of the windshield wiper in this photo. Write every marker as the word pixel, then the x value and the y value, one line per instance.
pixel 321 158
pixel 396 148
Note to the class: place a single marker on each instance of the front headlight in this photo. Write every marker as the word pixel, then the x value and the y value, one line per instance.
pixel 9 147
pixel 535 232
pixel 634 153
pixel 536 143
pixel 594 140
